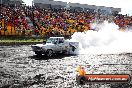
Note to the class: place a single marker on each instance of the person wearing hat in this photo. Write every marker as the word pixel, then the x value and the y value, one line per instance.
pixel 81 70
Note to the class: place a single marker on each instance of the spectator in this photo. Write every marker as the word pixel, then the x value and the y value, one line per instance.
pixel 53 22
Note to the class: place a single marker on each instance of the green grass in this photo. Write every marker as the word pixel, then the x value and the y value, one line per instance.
pixel 20 39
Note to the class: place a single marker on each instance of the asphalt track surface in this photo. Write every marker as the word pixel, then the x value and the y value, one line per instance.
pixel 21 68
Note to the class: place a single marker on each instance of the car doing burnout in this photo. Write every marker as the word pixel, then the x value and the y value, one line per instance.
pixel 55 45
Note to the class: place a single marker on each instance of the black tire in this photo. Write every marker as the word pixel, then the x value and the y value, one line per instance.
pixel 49 53
pixel 81 80
pixel 38 53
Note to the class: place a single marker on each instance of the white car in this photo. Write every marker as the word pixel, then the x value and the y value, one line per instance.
pixel 56 45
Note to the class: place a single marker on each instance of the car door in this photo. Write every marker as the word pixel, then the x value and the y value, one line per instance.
pixel 60 44
pixel 56 45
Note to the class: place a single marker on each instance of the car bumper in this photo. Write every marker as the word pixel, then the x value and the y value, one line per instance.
pixel 37 49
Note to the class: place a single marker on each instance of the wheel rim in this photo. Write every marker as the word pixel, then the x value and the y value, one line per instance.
pixel 49 53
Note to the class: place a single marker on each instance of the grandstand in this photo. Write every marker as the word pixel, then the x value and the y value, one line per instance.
pixel 76 6
pixel 55 18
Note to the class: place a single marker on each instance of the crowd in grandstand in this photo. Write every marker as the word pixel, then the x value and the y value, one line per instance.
pixel 29 21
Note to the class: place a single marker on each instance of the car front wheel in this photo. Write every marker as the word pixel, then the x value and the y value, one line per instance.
pixel 49 53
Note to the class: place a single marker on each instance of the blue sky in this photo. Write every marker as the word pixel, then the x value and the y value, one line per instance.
pixel 125 5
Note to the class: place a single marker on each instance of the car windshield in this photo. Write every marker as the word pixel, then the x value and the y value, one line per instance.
pixel 51 40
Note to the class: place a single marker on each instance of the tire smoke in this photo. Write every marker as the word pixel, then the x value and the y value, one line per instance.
pixel 106 38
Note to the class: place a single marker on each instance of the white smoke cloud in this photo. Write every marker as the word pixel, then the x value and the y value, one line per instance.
pixel 107 40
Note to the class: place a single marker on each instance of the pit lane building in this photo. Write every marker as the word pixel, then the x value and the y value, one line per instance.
pixel 76 6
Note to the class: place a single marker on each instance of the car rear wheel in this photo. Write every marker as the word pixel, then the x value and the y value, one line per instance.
pixel 49 53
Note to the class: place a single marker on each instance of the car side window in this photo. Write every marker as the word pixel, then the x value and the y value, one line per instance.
pixel 61 41
pixel 56 41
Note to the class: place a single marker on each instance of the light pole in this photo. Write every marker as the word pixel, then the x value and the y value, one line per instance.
pixel 0 6
pixel 1 3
